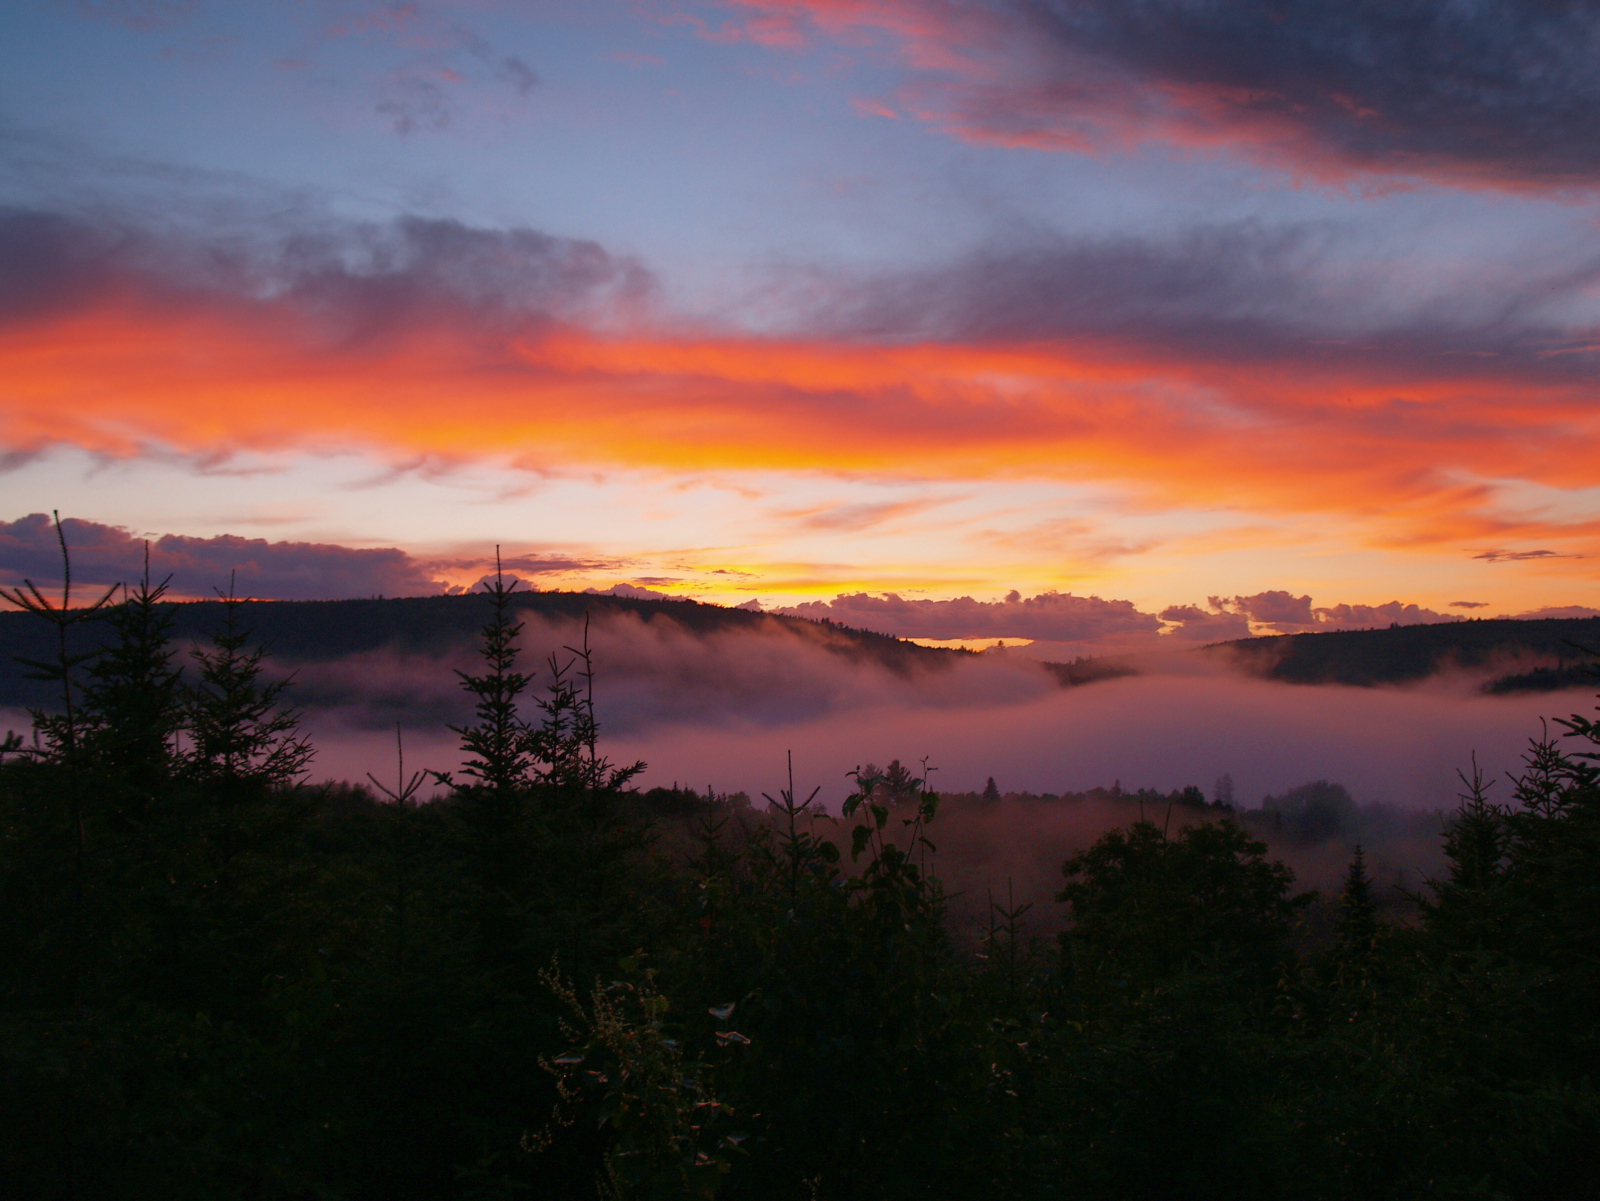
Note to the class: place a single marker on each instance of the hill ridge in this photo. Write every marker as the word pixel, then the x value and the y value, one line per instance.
pixel 311 631
pixel 1402 654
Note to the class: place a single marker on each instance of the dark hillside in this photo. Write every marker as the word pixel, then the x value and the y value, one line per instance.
pixel 298 632
pixel 1405 653
pixel 1088 671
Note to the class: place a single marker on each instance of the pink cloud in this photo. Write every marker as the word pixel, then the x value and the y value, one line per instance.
pixel 103 555
pixel 1284 613
pixel 1050 616
pixel 873 108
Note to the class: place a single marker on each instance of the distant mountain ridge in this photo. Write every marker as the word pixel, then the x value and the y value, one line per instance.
pixel 1536 655
pixel 301 632
pixel 1541 654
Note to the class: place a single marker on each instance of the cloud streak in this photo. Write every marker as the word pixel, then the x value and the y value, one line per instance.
pixel 1278 612
pixel 1284 613
pixel 1198 371
pixel 1518 556
pixel 1085 620
pixel 1500 93
pixel 103 555
pixel 1049 617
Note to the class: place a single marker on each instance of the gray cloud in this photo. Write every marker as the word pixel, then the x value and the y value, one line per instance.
pixel 48 261
pixel 1194 624
pixel 522 564
pixel 413 102
pixel 1276 607
pixel 1051 284
pixel 1085 620
pixel 1363 617
pixel 1518 556
pixel 1049 617
pixel 521 76
pixel 1504 90
pixel 1307 294
pixel 863 514
pixel 1286 613
pixel 632 592
pixel 356 281
pixel 105 555
pixel 141 16
pixel 1292 297
pixel 434 60
pixel 1558 611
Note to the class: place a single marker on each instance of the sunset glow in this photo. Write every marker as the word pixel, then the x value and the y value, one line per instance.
pixel 792 300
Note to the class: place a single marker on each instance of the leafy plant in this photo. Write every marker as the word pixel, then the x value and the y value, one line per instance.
pixel 668 1136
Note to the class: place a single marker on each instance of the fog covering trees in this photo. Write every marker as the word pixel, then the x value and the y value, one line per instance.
pixel 217 981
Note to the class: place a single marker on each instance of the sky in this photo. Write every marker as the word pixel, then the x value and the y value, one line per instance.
pixel 1076 321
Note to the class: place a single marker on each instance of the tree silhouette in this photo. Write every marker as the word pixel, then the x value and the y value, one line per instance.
pixel 1356 925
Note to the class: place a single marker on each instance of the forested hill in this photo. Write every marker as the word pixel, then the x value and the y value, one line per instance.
pixel 1529 655
pixel 319 631
pixel 1543 654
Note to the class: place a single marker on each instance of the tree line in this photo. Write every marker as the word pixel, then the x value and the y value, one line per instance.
pixel 218 981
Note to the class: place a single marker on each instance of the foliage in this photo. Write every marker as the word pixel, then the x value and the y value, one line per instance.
pixel 56 733
pixel 669 1137
pixel 219 982
pixel 241 733
pixel 133 699
pixel 1145 907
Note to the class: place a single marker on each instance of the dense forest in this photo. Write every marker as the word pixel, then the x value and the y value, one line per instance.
pixel 218 981
pixel 1517 655
pixel 306 632
pixel 1542 654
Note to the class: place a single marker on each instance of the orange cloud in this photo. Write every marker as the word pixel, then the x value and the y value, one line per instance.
pixel 516 346
pixel 1383 446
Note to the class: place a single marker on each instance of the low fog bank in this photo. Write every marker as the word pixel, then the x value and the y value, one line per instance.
pixel 1397 752
pixel 723 709
pixel 1014 846
pixel 1399 746
pixel 650 674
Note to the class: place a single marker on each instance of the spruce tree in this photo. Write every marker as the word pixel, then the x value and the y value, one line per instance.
pixel 496 748
pixel 1356 926
pixel 245 742
pixel 56 735
pixel 566 743
pixel 133 700
pixel 242 732
pixel 64 805
pixel 1465 909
